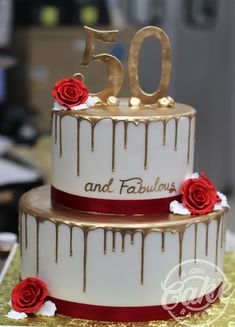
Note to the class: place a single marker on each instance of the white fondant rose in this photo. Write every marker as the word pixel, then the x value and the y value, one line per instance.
pixel 223 203
pixel 48 309
pixel 179 208
pixel 12 314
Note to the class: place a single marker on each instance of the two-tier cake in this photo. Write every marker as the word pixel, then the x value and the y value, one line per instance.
pixel 102 236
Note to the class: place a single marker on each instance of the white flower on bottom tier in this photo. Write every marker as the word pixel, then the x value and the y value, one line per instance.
pixel 48 309
pixel 12 314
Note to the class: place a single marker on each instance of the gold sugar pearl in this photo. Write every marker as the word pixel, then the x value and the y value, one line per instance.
pixel 79 76
pixel 134 102
pixel 112 101
pixel 166 102
pixel 172 101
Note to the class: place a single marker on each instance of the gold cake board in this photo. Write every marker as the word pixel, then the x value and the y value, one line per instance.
pixel 12 277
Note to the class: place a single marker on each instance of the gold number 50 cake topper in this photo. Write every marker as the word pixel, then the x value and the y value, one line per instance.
pixel 115 68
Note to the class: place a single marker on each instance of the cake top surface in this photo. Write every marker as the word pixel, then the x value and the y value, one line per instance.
pixel 123 112
pixel 37 203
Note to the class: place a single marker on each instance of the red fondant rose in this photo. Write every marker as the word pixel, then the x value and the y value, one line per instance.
pixel 70 92
pixel 29 295
pixel 199 195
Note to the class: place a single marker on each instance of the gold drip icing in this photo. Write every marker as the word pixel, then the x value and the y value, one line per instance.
pixel 60 126
pixel 207 236
pixel 105 241
pixel 37 245
pixel 164 131
pixel 113 144
pixel 56 241
pixel 189 138
pixel 123 242
pixel 142 258
pixel 163 241
pixel 195 241
pixel 37 204
pixel 218 223
pixel 26 230
pixel 114 241
pixel 85 236
pixel 55 127
pixel 78 146
pixel 20 232
pixel 181 238
pixel 143 114
pixel 176 132
pixel 132 238
pixel 51 122
pixel 70 241
pixel 125 134
pixel 146 145
pixel 92 136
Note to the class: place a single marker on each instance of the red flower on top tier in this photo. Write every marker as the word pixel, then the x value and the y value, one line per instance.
pixel 199 195
pixel 70 92
pixel 29 295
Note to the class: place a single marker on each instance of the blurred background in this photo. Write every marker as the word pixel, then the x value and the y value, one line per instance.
pixel 42 41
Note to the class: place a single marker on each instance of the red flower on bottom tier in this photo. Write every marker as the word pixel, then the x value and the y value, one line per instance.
pixel 199 195
pixel 29 295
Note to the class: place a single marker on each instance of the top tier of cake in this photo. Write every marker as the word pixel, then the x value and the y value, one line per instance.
pixel 122 159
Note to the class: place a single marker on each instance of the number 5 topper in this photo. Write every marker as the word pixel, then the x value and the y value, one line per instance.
pixel 115 68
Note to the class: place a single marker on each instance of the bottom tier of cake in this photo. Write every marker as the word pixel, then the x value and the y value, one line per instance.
pixel 121 268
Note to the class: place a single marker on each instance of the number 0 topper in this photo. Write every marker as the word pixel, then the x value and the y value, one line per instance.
pixel 115 68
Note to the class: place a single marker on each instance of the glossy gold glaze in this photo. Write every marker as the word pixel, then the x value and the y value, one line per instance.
pixel 189 137
pixel 163 241
pixel 176 133
pixel 137 41
pixel 114 66
pixel 70 241
pixel 56 241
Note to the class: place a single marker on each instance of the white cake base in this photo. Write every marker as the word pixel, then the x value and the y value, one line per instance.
pixel 109 260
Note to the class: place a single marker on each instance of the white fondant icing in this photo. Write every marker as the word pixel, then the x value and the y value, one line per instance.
pixel 164 162
pixel 113 279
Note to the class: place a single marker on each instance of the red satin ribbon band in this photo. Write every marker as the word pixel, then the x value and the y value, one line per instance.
pixel 133 314
pixel 149 206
